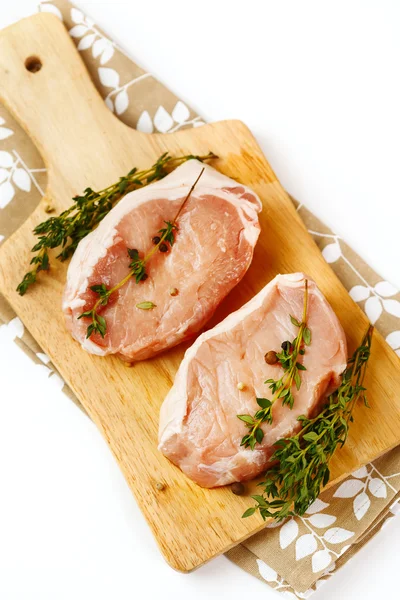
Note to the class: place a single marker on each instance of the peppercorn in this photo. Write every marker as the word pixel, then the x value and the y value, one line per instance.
pixel 238 488
pixel 156 239
pixel 160 486
pixel 286 346
pixel 241 386
pixel 163 247
pixel 144 277
pixel 173 292
pixel 271 358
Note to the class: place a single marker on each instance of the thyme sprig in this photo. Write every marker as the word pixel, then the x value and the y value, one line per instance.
pixel 137 269
pixel 288 358
pixel 67 229
pixel 302 461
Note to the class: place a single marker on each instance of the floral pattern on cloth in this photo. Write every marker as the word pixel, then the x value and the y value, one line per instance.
pixel 297 556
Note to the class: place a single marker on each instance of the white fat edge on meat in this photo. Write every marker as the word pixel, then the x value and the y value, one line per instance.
pixel 95 245
pixel 224 467
pixel 174 407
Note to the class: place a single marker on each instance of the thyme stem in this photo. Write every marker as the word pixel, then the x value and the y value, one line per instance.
pixel 302 461
pixel 283 387
pixel 136 269
pixel 67 229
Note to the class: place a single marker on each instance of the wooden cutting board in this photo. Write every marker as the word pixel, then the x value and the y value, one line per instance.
pixel 83 144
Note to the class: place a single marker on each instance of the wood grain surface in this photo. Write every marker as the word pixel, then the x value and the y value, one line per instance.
pixel 83 144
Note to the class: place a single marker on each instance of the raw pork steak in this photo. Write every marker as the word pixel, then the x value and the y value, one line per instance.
pixel 217 231
pixel 199 429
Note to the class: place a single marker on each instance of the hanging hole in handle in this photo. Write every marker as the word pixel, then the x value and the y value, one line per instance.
pixel 33 64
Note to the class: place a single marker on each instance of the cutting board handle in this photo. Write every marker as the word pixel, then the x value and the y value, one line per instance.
pixel 45 85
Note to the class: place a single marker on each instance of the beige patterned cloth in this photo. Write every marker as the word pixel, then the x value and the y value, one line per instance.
pixel 295 557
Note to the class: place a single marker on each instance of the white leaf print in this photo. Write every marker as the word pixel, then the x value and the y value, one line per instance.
pixel 43 357
pixel 121 102
pixel 316 506
pixel 5 133
pixel 329 569
pixel 361 505
pixel 322 520
pixel 337 535
pixel 288 533
pixel 56 381
pixel 384 288
pixel 86 41
pixel 78 31
pixel 332 252
pixel 344 549
pixel 392 307
pixel 395 508
pixel 266 572
pixel 145 123
pixel 109 77
pixel 15 328
pixel 77 16
pixel 3 175
pixel 22 180
pixel 107 53
pixel 198 123
pixel 41 368
pixel 361 473
pixel 393 339
pixel 377 487
pixel 50 8
pixel 373 309
pixel 163 120
pixel 110 104
pixel 6 159
pixel 349 488
pixel 181 113
pixel 6 193
pixel 359 292
pixel 98 47
pixel 305 545
pixel 320 560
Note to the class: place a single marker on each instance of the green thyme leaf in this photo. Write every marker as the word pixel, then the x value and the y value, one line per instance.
pixel 86 314
pixel 307 336
pixel 263 402
pixel 281 388
pixel 294 321
pixel 247 513
pixel 246 419
pixel 301 463
pixel 259 435
pixel 137 269
pixel 146 305
pixel 67 229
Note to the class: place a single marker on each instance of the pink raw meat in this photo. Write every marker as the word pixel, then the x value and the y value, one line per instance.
pixel 199 429
pixel 218 229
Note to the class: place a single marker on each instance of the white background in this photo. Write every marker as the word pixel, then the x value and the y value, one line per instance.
pixel 317 82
